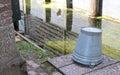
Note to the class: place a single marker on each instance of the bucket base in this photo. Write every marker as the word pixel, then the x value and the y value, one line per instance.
pixel 87 61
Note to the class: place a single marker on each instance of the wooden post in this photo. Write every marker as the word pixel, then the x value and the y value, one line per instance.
pixel 69 15
pixel 95 13
pixel 69 4
pixel 48 11
pixel 28 5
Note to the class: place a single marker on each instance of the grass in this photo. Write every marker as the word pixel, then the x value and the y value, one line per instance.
pixel 30 52
pixel 25 47
pixel 62 46
pixel 70 45
pixel 114 53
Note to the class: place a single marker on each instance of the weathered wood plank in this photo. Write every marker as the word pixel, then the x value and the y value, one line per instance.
pixel 73 34
pixel 29 41
pixel 37 39
pixel 50 26
pixel 47 33
pixel 48 30
pixel 54 51
pixel 53 31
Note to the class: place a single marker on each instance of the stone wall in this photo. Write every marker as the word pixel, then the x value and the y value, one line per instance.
pixel 5 13
pixel 11 62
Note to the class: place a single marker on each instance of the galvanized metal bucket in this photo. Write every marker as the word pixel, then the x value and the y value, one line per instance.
pixel 88 47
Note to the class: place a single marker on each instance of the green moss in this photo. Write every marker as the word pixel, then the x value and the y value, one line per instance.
pixel 112 52
pixel 69 45
pixel 25 48
pixel 62 46
pixel 30 52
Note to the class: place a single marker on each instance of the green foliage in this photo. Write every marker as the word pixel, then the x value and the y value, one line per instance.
pixel 30 52
pixel 25 48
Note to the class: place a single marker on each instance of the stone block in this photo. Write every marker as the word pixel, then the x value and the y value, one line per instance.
pixel 65 67
pixel 61 61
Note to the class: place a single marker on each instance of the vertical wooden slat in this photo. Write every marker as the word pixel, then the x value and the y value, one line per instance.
pixel 95 13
